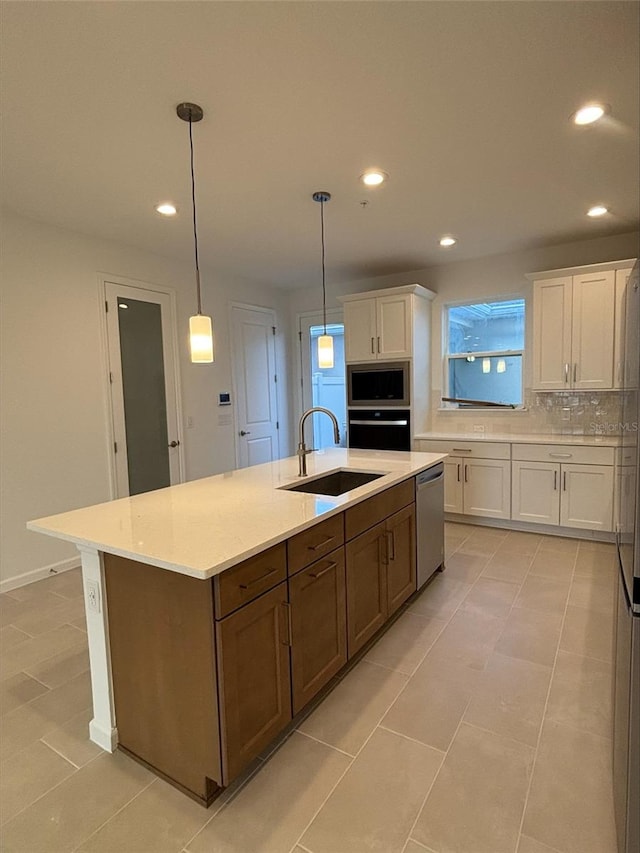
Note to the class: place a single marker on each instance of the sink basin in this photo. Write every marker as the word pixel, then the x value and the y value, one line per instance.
pixel 336 483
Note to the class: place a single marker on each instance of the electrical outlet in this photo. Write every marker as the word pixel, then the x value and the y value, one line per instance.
pixel 478 428
pixel 93 597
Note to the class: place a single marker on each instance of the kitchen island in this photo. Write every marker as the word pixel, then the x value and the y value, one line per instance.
pixel 217 609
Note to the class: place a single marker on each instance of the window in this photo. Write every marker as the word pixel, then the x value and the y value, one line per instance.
pixel 483 357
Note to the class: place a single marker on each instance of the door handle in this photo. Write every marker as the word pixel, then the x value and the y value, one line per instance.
pixel 373 349
pixel 321 544
pixel 378 344
pixel 458 472
pixel 289 640
pixel 466 473
pixel 391 544
pixel 575 372
pixel 174 443
pixel 564 481
pixel 258 579
pixel 319 574
pixel 566 374
pixel 555 481
pixel 245 432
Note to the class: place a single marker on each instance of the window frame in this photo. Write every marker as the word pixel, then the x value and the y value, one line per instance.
pixel 446 356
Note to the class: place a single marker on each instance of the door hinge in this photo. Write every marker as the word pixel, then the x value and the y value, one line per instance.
pixel 277 424
pixel 300 336
pixel 115 446
pixel 111 377
pixel 275 377
pixel 273 330
pixel 106 306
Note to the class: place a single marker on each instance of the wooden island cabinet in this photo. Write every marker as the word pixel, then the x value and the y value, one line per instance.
pixel 206 674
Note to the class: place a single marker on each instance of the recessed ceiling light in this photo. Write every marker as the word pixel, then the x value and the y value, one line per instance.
pixel 589 113
pixel 447 241
pixel 597 210
pixel 166 209
pixel 373 177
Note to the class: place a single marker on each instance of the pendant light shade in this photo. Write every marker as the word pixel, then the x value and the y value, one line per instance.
pixel 325 341
pixel 486 365
pixel 201 339
pixel 200 326
pixel 325 351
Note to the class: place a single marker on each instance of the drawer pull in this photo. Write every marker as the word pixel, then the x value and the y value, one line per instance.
pixel 561 455
pixel 316 575
pixel 321 544
pixel 257 580
pixel 462 450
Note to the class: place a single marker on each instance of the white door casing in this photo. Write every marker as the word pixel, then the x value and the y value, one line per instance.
pixel 113 288
pixel 255 384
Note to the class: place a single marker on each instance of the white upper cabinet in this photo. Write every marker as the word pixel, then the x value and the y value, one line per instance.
pixel 576 328
pixel 382 325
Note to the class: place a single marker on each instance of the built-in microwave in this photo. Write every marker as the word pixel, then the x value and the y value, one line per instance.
pixel 379 384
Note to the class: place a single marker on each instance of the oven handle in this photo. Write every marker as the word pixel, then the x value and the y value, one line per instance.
pixel 378 423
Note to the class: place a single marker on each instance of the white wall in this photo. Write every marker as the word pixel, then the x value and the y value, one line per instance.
pixel 494 275
pixel 54 414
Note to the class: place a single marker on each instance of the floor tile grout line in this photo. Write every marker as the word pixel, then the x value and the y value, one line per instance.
pixel 575 728
pixel 546 704
pixel 57 752
pixel 324 743
pixel 115 814
pixel 497 734
pixel 48 791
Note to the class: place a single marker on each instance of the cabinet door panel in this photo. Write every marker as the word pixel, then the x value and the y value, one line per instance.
pixel 254 680
pixel 401 557
pixel 453 471
pixel 535 495
pixel 393 326
pixel 319 626
pixel 551 333
pixel 593 322
pixel 487 487
pixel 360 330
pixel 587 497
pixel 366 587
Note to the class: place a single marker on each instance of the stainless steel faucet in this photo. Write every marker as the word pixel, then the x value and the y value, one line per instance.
pixel 302 447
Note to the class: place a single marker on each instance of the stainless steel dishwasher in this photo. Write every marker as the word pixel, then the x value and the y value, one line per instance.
pixel 430 522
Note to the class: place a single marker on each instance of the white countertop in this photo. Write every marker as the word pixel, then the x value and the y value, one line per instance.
pixel 205 526
pixel 527 438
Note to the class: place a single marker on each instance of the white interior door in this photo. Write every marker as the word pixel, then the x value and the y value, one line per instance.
pixel 143 384
pixel 255 384
pixel 323 386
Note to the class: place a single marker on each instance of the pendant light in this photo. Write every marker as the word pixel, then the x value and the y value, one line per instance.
pixel 325 341
pixel 200 329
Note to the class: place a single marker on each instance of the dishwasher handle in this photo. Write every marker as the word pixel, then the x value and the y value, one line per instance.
pixel 430 477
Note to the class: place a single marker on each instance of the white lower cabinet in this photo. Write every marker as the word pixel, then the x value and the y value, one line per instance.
pixel 453 472
pixel 563 494
pixel 487 488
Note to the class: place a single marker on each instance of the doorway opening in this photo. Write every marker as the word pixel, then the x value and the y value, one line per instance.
pixel 323 386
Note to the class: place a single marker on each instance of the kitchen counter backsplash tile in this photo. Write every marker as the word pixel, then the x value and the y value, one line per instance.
pixel 549 412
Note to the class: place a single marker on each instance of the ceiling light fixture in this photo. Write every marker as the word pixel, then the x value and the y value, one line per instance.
pixel 166 209
pixel 597 210
pixel 200 327
pixel 373 177
pixel 589 113
pixel 325 341
pixel 448 241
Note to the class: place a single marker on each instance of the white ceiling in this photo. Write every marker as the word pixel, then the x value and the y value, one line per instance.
pixel 465 104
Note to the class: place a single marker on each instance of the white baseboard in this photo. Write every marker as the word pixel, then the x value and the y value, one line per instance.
pixel 39 574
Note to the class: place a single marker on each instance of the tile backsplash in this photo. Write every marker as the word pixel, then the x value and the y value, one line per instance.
pixel 561 412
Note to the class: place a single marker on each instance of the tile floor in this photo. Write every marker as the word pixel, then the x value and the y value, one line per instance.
pixel 479 723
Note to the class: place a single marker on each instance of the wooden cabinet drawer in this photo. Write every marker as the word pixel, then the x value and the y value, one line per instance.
pixel 368 513
pixel 249 579
pixel 563 453
pixel 313 543
pixel 468 448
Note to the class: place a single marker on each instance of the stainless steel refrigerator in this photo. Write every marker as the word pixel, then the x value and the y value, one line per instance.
pixel 626 682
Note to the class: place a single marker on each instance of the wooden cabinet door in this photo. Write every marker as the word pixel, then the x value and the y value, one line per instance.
pixel 366 587
pixel 401 557
pixel 622 277
pixel 593 324
pixel 319 626
pixel 552 334
pixel 535 492
pixel 487 487
pixel 587 497
pixel 453 471
pixel 253 678
pixel 393 321
pixel 360 336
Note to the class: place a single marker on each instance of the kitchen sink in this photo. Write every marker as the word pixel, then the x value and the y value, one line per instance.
pixel 334 484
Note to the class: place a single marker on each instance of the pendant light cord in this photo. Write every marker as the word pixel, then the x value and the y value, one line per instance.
pixel 195 227
pixel 324 292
